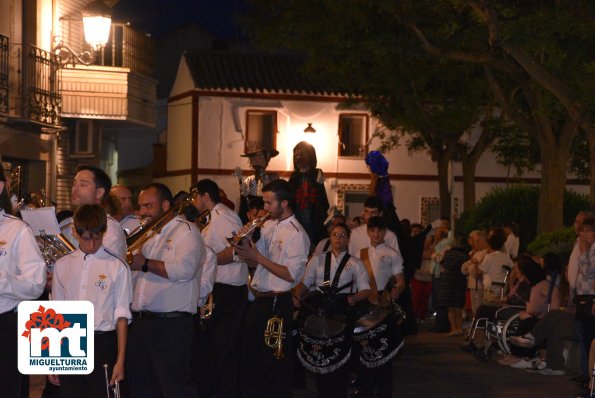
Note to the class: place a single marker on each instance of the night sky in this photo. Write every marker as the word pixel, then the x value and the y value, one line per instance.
pixel 158 17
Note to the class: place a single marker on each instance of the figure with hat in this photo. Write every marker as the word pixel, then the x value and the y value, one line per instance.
pixel 251 186
pixel 311 202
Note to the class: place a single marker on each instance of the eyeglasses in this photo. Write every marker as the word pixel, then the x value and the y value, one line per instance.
pixel 338 235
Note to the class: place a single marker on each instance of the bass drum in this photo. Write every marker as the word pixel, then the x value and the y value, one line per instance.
pixel 325 345
pixel 377 336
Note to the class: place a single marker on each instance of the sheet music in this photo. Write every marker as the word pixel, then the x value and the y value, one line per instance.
pixel 42 220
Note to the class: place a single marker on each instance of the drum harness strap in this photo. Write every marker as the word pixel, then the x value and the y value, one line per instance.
pixel 327 286
pixel 365 257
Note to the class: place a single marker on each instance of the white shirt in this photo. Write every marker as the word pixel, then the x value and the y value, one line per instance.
pixel 512 245
pixel 114 238
pixel 492 265
pixel 181 247
pixel 385 262
pixel 287 244
pixel 573 264
pixel 354 271
pixel 101 278
pixel 22 269
pixel 224 224
pixel 207 278
pixel 360 239
pixel 130 223
pixel 320 246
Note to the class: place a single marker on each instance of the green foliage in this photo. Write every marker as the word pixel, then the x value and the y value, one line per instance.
pixel 557 242
pixel 518 204
pixel 515 149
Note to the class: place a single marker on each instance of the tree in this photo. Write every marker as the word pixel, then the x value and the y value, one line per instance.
pixel 537 56
pixel 354 47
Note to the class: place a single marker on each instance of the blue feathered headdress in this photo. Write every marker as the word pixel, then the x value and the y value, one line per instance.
pixel 377 163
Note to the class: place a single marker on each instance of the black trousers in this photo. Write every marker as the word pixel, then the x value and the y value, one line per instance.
pixel 217 347
pixel 262 375
pixel 158 357
pixel 376 382
pixel 12 383
pixel 92 385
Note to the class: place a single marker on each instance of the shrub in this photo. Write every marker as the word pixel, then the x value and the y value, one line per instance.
pixel 517 203
pixel 557 242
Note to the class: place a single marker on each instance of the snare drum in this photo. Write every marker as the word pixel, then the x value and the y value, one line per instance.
pixel 324 344
pixel 377 336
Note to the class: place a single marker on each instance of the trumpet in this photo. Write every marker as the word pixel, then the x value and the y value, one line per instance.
pixel 208 308
pixel 274 335
pixel 115 388
pixel 256 223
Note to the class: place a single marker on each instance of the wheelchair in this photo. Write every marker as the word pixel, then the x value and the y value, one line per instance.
pixel 497 322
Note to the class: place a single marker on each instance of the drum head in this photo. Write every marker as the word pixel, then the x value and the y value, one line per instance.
pixel 371 319
pixel 324 327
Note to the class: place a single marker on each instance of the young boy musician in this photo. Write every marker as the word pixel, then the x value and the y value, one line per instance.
pixel 96 274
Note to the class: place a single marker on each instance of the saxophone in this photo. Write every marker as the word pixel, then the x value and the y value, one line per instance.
pixel 256 223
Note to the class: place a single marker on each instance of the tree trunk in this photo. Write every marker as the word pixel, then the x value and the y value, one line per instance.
pixel 554 164
pixel 468 183
pixel 442 164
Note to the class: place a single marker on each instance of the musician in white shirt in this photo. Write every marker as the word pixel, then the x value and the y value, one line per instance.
pixel 91 186
pixel 280 256
pixel 343 281
pixel 165 298
pixel 359 236
pixel 95 274
pixel 22 277
pixel 218 358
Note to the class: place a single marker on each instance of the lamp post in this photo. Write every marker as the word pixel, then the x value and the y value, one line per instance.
pixel 97 21
pixel 310 129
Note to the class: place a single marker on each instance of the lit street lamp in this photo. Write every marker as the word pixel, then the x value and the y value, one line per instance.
pixel 97 21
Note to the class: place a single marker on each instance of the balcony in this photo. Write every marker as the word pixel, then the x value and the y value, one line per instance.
pixel 42 87
pixel 118 86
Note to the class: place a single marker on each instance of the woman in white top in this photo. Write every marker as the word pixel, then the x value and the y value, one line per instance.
pixel 491 269
pixel 512 239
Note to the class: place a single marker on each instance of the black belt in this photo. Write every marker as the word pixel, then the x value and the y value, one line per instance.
pixel 97 332
pixel 151 314
pixel 259 294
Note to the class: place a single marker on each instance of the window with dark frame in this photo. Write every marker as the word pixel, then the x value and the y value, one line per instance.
pixel 353 135
pixel 261 130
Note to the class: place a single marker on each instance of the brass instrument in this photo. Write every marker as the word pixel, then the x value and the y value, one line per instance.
pixel 14 186
pixel 147 230
pixel 53 247
pixel 256 223
pixel 274 335
pixel 114 388
pixel 203 219
pixel 208 308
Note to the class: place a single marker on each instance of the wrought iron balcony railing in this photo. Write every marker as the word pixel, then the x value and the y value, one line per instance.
pixel 127 48
pixel 42 87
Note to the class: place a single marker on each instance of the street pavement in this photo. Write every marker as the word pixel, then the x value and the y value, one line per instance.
pixel 434 365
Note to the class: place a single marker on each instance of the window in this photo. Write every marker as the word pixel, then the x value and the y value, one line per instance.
pixel 353 135
pixel 261 129
pixel 85 138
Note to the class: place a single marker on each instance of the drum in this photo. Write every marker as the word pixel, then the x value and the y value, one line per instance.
pixel 377 336
pixel 324 344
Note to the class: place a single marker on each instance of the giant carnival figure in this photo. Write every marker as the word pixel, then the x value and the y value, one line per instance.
pixel 251 186
pixel 311 203
pixel 411 247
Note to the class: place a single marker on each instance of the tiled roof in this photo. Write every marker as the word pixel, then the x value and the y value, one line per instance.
pixel 252 73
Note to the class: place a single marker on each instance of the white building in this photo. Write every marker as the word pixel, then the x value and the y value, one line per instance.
pixel 222 102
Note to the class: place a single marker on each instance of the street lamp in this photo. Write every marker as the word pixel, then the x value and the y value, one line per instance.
pixel 97 20
pixel 310 129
